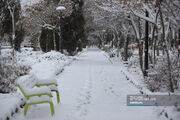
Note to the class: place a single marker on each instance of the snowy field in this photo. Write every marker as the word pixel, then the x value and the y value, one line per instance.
pixel 93 88
pixel 43 65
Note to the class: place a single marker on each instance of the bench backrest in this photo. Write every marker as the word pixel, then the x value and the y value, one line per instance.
pixel 26 82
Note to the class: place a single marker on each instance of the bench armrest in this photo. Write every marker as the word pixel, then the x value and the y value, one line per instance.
pixel 37 91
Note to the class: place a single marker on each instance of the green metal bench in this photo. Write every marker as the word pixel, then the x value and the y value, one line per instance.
pixel 34 95
pixel 52 84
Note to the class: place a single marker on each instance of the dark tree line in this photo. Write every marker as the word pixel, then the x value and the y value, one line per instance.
pixel 73 33
pixel 49 39
pixel 6 21
pixel 71 36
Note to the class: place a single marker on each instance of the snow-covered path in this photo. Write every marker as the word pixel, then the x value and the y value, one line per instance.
pixel 93 88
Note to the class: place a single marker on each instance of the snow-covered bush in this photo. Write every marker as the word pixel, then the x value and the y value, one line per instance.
pixel 112 52
pixel 122 51
pixel 10 70
pixel 158 79
pixel 134 62
pixel 53 55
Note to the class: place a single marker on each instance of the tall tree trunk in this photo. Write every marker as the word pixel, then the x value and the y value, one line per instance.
pixel 154 49
pixel 11 10
pixel 171 85
pixel 157 43
pixel 54 40
pixel 126 48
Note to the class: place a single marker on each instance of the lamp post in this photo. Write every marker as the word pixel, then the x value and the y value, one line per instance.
pixel 60 9
pixel 146 44
pixel 178 44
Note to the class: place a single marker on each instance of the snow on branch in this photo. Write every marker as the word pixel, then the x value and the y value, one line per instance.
pixel 149 11
pixel 134 27
pixel 173 21
pixel 167 31
pixel 48 26
pixel 59 8
pixel 151 20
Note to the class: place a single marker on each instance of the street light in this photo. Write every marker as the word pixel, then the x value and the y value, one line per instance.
pixel 60 9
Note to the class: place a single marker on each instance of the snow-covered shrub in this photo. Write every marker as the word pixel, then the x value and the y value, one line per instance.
pixel 122 51
pixel 158 79
pixel 10 70
pixel 112 52
pixel 53 55
pixel 134 62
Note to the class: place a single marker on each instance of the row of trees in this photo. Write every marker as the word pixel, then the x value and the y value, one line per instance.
pixel 10 23
pixel 44 24
pixel 46 28
pixel 58 30
pixel 121 23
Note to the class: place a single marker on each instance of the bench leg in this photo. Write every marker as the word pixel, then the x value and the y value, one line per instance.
pixel 58 97
pixel 25 109
pixel 52 108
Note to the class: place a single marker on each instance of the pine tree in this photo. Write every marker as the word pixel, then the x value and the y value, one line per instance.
pixel 6 23
pixel 46 39
pixel 73 33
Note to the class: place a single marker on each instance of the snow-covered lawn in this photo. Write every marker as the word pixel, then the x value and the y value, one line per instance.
pixel 9 104
pixel 43 65
pixel 92 88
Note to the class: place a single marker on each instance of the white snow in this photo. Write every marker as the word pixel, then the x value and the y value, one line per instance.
pixel 39 99
pixel 37 90
pixel 46 81
pixel 46 69
pixel 43 66
pixel 28 82
pixel 53 87
pixel 151 20
pixel 135 28
pixel 59 8
pixel 48 26
pixel 93 88
pixel 8 104
pixel 28 2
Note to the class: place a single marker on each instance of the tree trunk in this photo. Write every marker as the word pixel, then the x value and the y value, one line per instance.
pixel 54 40
pixel 171 85
pixel 154 45
pixel 154 50
pixel 126 48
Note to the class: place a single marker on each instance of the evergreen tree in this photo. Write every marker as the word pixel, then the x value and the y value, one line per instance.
pixel 46 39
pixel 6 24
pixel 73 33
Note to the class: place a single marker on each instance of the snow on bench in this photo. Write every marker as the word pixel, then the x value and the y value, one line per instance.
pixel 39 99
pixel 33 94
pixel 51 83
pixel 46 81
pixel 27 86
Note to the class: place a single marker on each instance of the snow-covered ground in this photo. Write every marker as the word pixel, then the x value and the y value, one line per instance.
pixel 93 88
pixel 9 104
pixel 43 65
